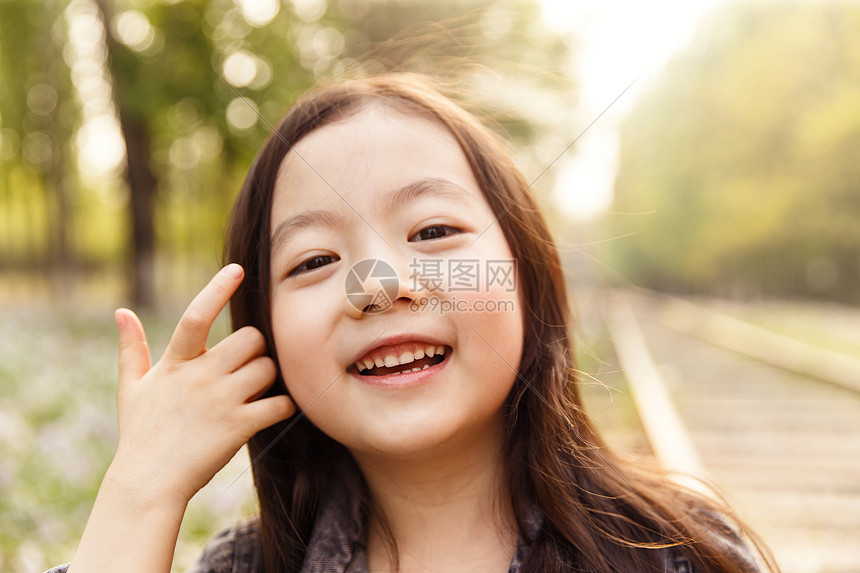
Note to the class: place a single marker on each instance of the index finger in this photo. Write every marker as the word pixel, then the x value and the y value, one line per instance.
pixel 189 338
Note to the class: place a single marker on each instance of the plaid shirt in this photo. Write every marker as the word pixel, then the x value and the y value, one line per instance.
pixel 336 545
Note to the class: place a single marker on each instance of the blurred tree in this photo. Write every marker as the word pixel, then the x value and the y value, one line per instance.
pixel 141 179
pixel 742 159
pixel 37 119
pixel 197 85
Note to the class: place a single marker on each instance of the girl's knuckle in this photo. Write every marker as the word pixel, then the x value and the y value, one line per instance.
pixel 255 336
pixel 193 321
pixel 219 287
pixel 267 365
pixel 284 406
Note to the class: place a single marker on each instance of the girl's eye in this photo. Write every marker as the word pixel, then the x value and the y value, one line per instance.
pixel 313 263
pixel 433 232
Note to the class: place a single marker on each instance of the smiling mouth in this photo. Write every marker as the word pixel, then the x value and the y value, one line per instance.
pixel 420 357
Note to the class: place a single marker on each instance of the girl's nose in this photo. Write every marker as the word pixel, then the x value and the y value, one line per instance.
pixel 376 285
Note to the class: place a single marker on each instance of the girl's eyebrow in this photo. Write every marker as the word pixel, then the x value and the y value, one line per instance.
pixel 435 186
pixel 315 218
pixel 393 201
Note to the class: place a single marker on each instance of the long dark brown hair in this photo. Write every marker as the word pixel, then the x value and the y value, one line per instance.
pixel 602 513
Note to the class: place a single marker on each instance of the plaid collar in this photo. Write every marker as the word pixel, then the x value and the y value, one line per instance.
pixel 337 542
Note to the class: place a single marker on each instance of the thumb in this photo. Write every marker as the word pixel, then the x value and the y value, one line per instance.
pixel 134 359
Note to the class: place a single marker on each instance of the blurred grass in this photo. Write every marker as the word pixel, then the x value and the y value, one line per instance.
pixel 607 398
pixel 602 383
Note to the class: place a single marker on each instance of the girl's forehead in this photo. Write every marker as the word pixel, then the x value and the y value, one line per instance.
pixel 370 123
pixel 378 147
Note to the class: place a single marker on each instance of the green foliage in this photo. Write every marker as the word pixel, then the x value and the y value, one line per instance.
pixel 738 170
pixel 207 81
pixel 37 120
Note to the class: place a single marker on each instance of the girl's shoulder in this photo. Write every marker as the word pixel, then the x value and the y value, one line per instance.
pixel 719 541
pixel 233 550
pixel 721 537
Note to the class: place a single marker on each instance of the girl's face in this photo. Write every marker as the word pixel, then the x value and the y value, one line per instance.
pixel 397 188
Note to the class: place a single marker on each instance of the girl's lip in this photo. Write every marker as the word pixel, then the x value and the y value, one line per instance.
pixel 403 380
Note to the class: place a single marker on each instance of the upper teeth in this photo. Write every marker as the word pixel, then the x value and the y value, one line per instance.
pixel 405 357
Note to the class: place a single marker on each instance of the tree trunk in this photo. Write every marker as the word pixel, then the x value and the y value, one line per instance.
pixel 62 261
pixel 60 217
pixel 141 182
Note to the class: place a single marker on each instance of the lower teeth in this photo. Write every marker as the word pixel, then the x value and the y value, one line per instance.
pixel 416 369
pixel 380 371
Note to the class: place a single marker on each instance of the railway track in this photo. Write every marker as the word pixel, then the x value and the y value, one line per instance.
pixel 783 446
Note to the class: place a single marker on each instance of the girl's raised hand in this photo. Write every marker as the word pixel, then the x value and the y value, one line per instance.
pixel 181 420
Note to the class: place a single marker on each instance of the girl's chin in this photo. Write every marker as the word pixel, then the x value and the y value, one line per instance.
pixel 425 439
pixel 401 443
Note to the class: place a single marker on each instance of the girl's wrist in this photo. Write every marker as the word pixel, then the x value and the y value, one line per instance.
pixel 133 525
pixel 139 487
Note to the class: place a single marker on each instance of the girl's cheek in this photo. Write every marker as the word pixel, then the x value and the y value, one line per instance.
pixel 303 324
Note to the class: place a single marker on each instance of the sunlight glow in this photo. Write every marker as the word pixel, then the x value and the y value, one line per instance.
pixel 240 68
pixel 620 41
pixel 258 13
pixel 132 28
pixel 100 145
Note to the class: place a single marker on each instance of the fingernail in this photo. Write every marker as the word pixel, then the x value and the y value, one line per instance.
pixel 233 270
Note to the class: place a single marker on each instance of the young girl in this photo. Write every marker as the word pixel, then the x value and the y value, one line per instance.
pixel 386 433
